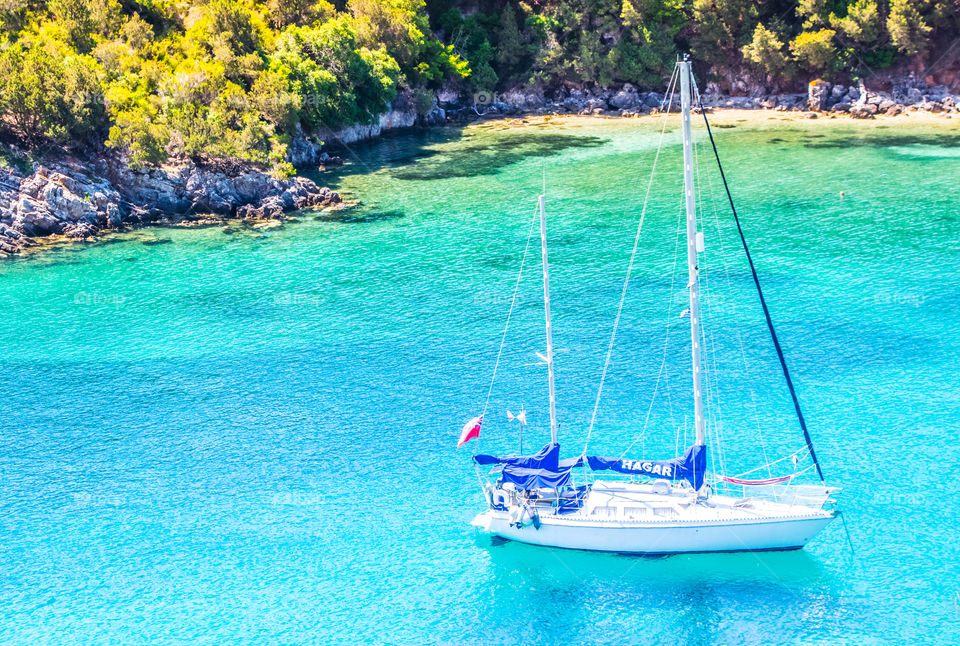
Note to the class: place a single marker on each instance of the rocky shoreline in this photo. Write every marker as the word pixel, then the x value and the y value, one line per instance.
pixel 71 199
pixel 856 101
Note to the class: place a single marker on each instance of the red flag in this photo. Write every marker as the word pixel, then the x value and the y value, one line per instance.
pixel 470 431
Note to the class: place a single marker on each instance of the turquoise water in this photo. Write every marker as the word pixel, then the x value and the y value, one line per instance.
pixel 247 436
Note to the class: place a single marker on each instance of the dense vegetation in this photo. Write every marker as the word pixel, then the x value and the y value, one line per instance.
pixel 238 78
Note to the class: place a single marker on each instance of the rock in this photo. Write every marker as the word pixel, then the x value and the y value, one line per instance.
pixel 626 99
pixel 574 104
pixel 914 96
pixel 523 100
pixel 652 100
pixel 330 160
pixel 893 110
pixel 769 103
pixel 811 115
pixel 435 116
pixel 840 107
pixel 80 230
pixel 818 95
pixel 862 112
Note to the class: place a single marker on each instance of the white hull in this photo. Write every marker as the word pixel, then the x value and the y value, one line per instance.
pixel 641 519
pixel 658 538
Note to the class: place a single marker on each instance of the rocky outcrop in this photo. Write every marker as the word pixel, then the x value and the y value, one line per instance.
pixel 78 200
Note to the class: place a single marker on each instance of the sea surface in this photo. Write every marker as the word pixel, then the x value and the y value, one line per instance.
pixel 247 436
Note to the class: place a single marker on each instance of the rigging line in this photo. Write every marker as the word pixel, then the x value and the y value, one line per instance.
pixel 633 255
pixel 513 302
pixel 736 311
pixel 666 340
pixel 763 303
pixel 770 464
pixel 709 338
pixel 643 433
pixel 711 387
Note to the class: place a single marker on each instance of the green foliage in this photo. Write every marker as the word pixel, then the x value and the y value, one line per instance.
pixel 765 52
pixel 862 22
pixel 815 49
pixel 510 49
pixel 45 96
pixel 339 83
pixel 299 12
pixel 84 20
pixel 401 28
pixel 908 30
pixel 239 78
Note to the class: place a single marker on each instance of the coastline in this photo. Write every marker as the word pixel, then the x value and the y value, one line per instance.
pixel 70 201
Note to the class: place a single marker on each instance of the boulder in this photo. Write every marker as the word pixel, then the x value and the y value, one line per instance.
pixel 652 99
pixel 626 99
pixel 574 104
pixel 818 95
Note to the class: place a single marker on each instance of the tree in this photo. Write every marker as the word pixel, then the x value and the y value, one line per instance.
pixel 339 83
pixel 862 22
pixel 401 27
pixel 510 49
pixel 815 49
pixel 31 93
pixel 909 32
pixel 299 12
pixel 813 12
pixel 137 32
pixel 766 53
pixel 721 28
pixel 84 19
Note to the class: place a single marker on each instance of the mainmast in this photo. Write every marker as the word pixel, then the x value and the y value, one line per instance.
pixel 694 243
pixel 546 309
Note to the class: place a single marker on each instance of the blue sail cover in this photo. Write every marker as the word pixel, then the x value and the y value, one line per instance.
pixel 691 467
pixel 546 458
pixel 544 470
pixel 525 478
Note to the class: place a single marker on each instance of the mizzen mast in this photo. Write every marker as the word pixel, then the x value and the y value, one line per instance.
pixel 546 309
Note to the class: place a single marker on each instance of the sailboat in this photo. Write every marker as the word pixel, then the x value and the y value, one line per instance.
pixel 645 506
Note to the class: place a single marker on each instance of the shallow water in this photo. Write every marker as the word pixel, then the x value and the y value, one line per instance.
pixel 249 436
